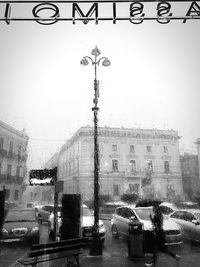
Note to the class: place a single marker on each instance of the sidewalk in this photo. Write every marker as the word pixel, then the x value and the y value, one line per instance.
pixel 110 260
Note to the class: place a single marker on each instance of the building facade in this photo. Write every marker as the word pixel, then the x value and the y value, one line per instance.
pixel 198 153
pixel 128 158
pixel 13 156
pixel 190 174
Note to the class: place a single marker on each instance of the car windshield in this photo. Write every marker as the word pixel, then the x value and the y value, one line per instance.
pixel 87 212
pixel 144 214
pixel 48 208
pixel 51 208
pixel 20 216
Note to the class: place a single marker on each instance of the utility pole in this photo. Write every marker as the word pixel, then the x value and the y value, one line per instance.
pixel 96 247
pixel 55 211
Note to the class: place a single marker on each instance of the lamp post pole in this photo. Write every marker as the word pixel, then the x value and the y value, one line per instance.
pixel 96 247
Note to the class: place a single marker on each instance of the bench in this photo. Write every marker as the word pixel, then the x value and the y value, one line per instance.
pixel 70 248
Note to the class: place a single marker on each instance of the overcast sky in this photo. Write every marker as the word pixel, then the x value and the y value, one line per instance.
pixel 153 80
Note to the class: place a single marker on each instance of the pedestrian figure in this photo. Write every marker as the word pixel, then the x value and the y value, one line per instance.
pixel 159 236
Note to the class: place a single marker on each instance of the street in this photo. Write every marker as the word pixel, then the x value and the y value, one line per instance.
pixel 115 252
pixel 10 252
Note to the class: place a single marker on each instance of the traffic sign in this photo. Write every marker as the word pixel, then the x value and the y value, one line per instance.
pixel 43 176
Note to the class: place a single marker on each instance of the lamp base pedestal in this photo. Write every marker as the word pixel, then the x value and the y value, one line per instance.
pixel 96 246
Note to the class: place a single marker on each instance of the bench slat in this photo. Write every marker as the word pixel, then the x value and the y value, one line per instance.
pixel 54 250
pixel 35 260
pixel 60 243
pixel 37 253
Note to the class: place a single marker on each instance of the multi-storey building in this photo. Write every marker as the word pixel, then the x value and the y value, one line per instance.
pixel 13 156
pixel 128 157
pixel 198 153
pixel 190 174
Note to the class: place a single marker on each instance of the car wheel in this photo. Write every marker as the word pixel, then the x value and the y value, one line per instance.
pixel 114 231
pixel 51 234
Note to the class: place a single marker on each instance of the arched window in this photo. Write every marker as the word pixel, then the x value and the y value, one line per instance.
pixel 115 165
pixel 149 165
pixel 132 164
pixel 166 166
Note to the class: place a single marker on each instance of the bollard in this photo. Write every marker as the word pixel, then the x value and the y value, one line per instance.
pixel 44 232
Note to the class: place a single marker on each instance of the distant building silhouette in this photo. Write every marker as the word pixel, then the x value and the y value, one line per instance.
pixel 13 157
pixel 127 158
pixel 190 174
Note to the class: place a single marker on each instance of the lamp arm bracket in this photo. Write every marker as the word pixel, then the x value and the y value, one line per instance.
pixel 89 59
pixel 98 62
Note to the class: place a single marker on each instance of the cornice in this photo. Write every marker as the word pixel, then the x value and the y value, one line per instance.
pixel 13 130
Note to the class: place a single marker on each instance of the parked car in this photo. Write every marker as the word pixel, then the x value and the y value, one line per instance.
pixel 50 208
pixel 128 214
pixel 30 205
pixel 167 208
pixel 47 213
pixel 106 211
pixel 10 205
pixel 189 221
pixel 87 222
pixel 20 225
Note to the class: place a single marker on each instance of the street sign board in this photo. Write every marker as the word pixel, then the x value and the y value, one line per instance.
pixel 135 12
pixel 42 176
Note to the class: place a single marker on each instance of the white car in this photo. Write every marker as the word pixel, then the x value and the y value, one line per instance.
pixel 87 222
pixel 189 221
pixel 167 208
pixel 125 215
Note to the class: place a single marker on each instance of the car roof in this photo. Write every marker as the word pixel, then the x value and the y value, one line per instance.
pixel 115 203
pixel 169 204
pixel 59 205
pixel 189 210
pixel 143 208
pixel 133 207
pixel 21 209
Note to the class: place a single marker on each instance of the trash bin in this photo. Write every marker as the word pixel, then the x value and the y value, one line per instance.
pixel 135 242
pixel 149 242
pixel 149 247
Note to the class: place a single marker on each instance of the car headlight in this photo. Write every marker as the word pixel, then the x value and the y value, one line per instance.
pixel 101 228
pixel 34 229
pixel 4 231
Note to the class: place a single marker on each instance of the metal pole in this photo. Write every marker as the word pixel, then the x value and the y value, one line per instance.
pixel 96 248
pixel 55 211
pixel 2 214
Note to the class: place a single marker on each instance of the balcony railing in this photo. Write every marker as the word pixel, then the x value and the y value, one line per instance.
pixel 12 155
pixel 2 178
pixel 22 157
pixel 3 152
pixel 19 180
pixel 10 179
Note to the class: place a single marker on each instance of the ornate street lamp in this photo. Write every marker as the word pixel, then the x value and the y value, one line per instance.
pixel 96 248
